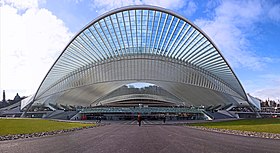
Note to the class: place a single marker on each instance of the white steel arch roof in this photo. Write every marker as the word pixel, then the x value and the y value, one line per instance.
pixel 140 43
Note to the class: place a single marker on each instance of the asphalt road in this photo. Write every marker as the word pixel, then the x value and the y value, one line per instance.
pixel 128 138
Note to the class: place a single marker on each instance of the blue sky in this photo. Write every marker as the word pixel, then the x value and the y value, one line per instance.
pixel 34 32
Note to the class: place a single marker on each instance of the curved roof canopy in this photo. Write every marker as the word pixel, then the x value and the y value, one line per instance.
pixel 141 43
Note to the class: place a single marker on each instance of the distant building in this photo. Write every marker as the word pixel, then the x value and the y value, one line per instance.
pixel 264 104
pixel 5 103
pixel 272 103
pixel 270 106
pixel 4 96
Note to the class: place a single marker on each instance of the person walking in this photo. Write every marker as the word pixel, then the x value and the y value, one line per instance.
pixel 99 119
pixel 139 119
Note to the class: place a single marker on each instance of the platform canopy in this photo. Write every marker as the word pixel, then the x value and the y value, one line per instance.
pixel 140 44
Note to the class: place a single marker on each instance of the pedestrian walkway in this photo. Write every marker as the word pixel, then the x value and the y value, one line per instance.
pixel 128 138
pixel 160 122
pixel 147 122
pixel 144 122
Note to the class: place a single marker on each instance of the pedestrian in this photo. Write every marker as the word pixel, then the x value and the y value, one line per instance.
pixel 100 119
pixel 139 119
pixel 164 118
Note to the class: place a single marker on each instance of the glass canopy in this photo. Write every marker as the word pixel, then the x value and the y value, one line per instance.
pixel 140 43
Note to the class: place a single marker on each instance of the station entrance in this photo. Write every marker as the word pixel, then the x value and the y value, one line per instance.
pixel 149 113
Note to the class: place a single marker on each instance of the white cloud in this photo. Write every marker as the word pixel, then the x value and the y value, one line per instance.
pixel 22 4
pixel 173 5
pixel 268 93
pixel 31 40
pixel 232 24
pixel 272 79
pixel 102 6
pixel 190 9
pixel 265 86
pixel 274 13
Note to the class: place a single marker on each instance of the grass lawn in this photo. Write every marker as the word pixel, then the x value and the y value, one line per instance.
pixel 24 126
pixel 270 125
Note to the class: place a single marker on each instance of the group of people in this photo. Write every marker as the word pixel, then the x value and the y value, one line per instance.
pixel 139 119
pixel 98 120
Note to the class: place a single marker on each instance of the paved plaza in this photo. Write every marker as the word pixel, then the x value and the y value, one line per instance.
pixel 152 137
